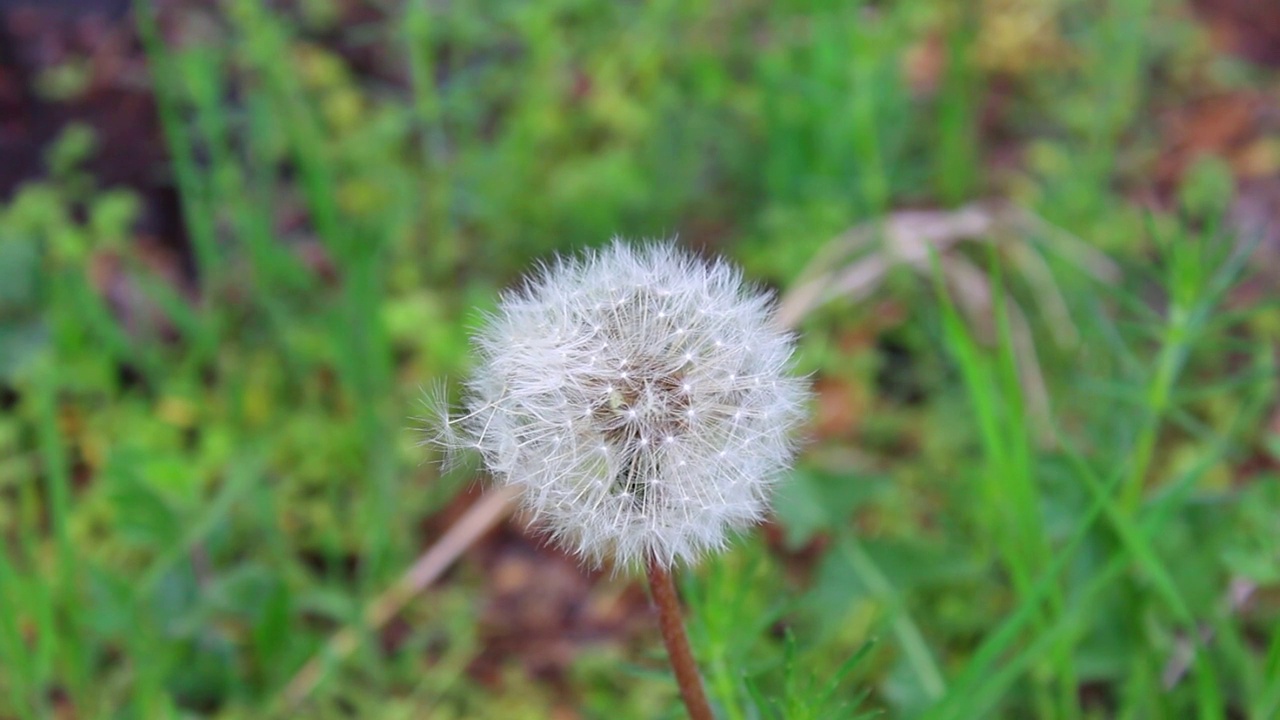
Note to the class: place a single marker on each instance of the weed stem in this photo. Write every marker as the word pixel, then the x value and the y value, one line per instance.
pixel 677 642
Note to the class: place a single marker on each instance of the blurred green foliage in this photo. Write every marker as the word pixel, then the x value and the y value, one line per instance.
pixel 207 472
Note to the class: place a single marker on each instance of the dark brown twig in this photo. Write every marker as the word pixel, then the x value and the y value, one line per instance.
pixel 672 624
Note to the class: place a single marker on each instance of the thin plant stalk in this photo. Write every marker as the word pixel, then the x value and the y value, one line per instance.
pixel 677 642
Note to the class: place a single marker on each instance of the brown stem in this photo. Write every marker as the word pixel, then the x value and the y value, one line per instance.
pixel 672 624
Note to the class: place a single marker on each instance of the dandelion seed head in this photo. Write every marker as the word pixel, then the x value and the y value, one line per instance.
pixel 616 391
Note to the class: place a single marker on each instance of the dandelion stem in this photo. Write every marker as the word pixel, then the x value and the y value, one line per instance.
pixel 677 642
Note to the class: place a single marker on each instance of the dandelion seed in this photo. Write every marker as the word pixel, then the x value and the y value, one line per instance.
pixel 550 418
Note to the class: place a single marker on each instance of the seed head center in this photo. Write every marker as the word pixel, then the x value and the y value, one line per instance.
pixel 644 406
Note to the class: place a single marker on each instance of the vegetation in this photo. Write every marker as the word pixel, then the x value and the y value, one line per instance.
pixel 1041 479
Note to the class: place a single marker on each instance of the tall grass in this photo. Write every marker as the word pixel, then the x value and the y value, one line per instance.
pixel 204 479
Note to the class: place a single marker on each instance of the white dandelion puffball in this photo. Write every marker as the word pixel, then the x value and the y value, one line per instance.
pixel 640 400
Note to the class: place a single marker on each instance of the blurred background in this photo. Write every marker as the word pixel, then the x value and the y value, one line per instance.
pixel 1032 248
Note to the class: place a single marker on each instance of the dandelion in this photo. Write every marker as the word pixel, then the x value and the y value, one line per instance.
pixel 640 401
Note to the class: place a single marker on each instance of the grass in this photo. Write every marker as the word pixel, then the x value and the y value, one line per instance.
pixel 205 478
